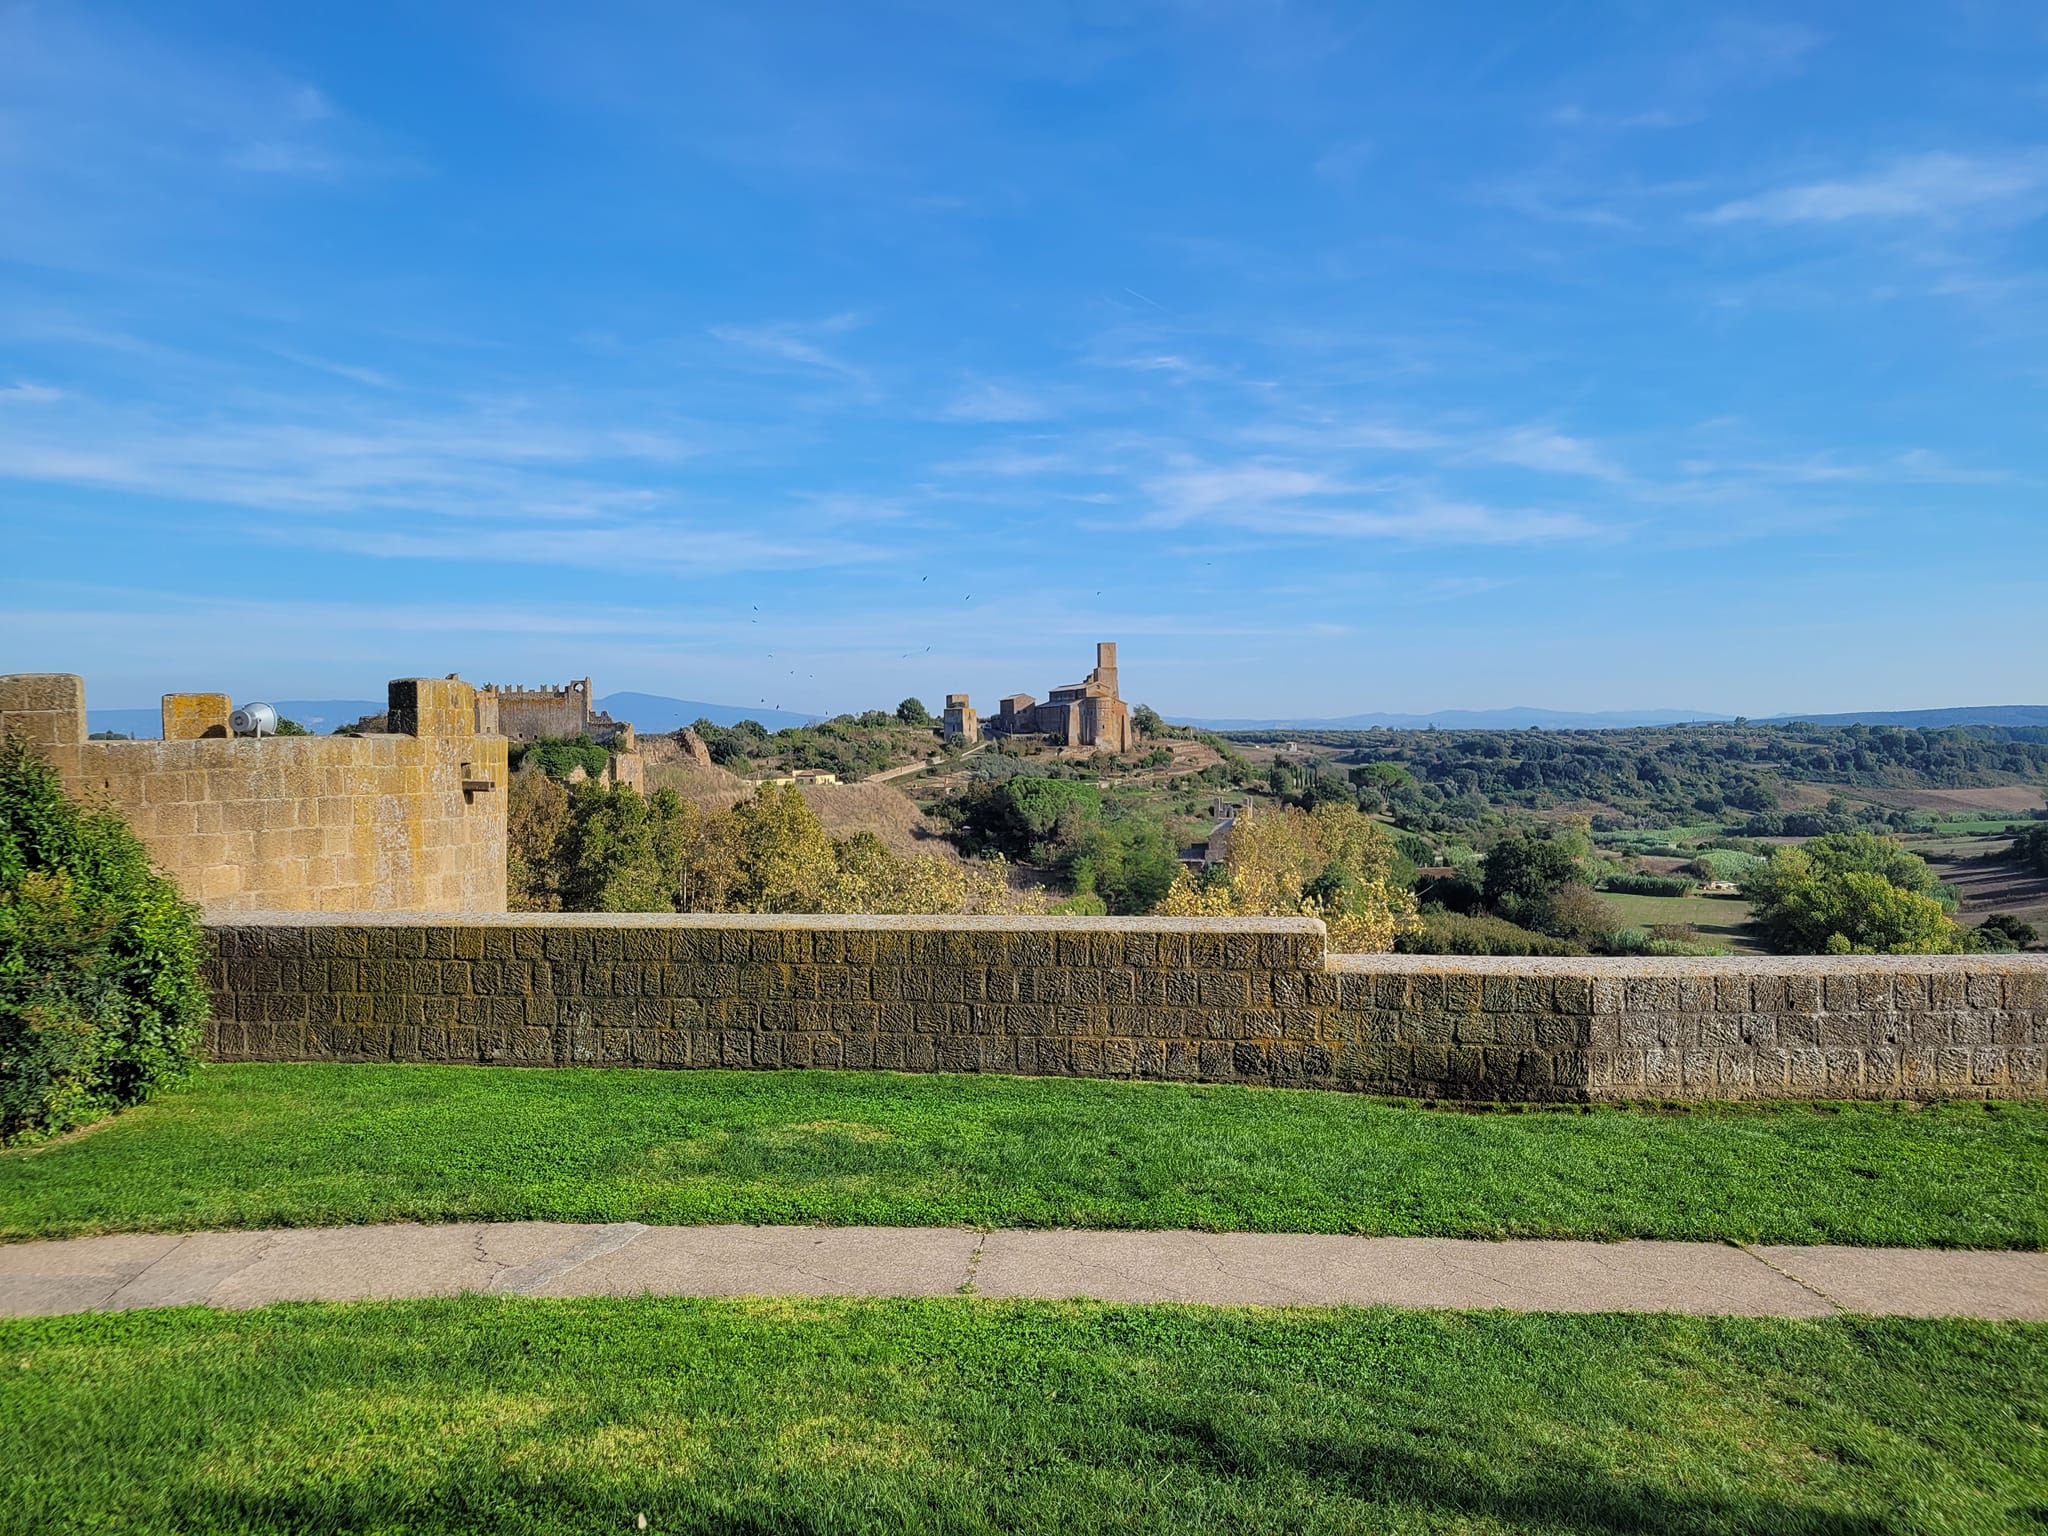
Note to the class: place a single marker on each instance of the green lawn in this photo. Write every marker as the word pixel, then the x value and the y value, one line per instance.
pixel 262 1146
pixel 508 1416
pixel 1720 919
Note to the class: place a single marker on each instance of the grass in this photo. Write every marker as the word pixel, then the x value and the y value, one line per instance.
pixel 1718 918
pixel 267 1146
pixel 508 1416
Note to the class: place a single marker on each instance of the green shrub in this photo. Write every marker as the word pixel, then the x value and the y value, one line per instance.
pixel 1727 864
pixel 1852 893
pixel 101 996
pixel 2003 932
pixel 1455 933
pixel 2031 849
pixel 558 756
pixel 1632 883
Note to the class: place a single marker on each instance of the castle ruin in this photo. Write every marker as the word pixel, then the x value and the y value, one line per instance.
pixel 1090 713
pixel 562 711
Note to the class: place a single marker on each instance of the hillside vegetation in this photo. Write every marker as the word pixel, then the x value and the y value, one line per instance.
pixel 1672 772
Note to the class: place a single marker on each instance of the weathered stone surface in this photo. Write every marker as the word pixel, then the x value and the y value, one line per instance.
pixel 338 824
pixel 1234 1000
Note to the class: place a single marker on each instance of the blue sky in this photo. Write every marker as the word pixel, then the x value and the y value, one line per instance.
pixel 1331 358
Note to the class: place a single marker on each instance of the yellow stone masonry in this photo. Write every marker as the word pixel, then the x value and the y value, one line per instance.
pixel 408 822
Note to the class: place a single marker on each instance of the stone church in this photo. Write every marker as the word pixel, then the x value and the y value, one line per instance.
pixel 1090 713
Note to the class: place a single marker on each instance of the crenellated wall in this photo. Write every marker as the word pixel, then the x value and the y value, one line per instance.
pixel 1225 1000
pixel 413 821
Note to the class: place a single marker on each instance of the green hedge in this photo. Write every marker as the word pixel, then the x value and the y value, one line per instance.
pixel 101 993
pixel 1455 933
pixel 1632 883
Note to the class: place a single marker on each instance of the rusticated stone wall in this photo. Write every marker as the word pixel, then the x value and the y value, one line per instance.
pixel 1239 1001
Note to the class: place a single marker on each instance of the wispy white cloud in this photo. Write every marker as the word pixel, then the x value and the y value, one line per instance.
pixel 675 545
pixel 92 98
pixel 1284 499
pixel 1928 187
pixel 1343 161
pixel 508 462
pixel 1551 453
pixel 989 401
pixel 1572 115
pixel 799 343
pixel 24 393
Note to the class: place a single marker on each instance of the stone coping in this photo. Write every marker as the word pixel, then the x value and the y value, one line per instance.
pixel 1377 964
pixel 768 922
pixel 1703 965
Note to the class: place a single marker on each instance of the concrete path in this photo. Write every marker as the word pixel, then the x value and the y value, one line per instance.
pixel 249 1269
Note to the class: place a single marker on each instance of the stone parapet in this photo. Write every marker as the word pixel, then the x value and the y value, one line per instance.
pixel 410 821
pixel 1211 1000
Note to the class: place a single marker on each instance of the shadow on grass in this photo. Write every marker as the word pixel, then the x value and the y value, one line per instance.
pixel 1394 1479
pixel 1555 1495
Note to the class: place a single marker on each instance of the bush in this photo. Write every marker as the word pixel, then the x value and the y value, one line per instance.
pixel 1574 912
pixel 2031 849
pixel 1454 933
pixel 101 996
pixel 1724 864
pixel 558 757
pixel 1852 893
pixel 2003 932
pixel 1631 883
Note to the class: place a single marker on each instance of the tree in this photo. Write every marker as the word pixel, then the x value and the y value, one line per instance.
pixel 1574 912
pixel 2031 848
pixel 624 850
pixel 2003 932
pixel 101 991
pixel 1852 893
pixel 1130 863
pixel 290 728
pixel 1148 721
pixel 1333 863
pixel 1524 867
pixel 537 824
pixel 913 712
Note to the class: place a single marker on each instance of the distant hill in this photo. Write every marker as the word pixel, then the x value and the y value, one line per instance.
pixel 1472 720
pixel 654 712
pixel 649 712
pixel 1623 719
pixel 1931 719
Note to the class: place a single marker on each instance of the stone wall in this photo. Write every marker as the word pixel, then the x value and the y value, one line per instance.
pixel 409 822
pixel 1241 1001
pixel 528 714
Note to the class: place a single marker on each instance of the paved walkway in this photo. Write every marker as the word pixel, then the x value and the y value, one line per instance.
pixel 249 1269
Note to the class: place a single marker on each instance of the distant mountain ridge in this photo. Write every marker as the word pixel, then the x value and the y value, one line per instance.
pixel 656 713
pixel 650 712
pixel 1612 720
pixel 1932 719
pixel 1471 720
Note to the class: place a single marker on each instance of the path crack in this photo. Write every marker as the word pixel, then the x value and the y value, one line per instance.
pixel 974 1262
pixel 1805 1285
pixel 532 1279
pixel 107 1303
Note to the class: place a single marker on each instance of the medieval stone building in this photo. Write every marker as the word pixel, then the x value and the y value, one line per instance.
pixel 960 720
pixel 1089 713
pixel 559 711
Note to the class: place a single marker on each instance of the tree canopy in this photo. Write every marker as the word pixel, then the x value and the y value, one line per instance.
pixel 1852 893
